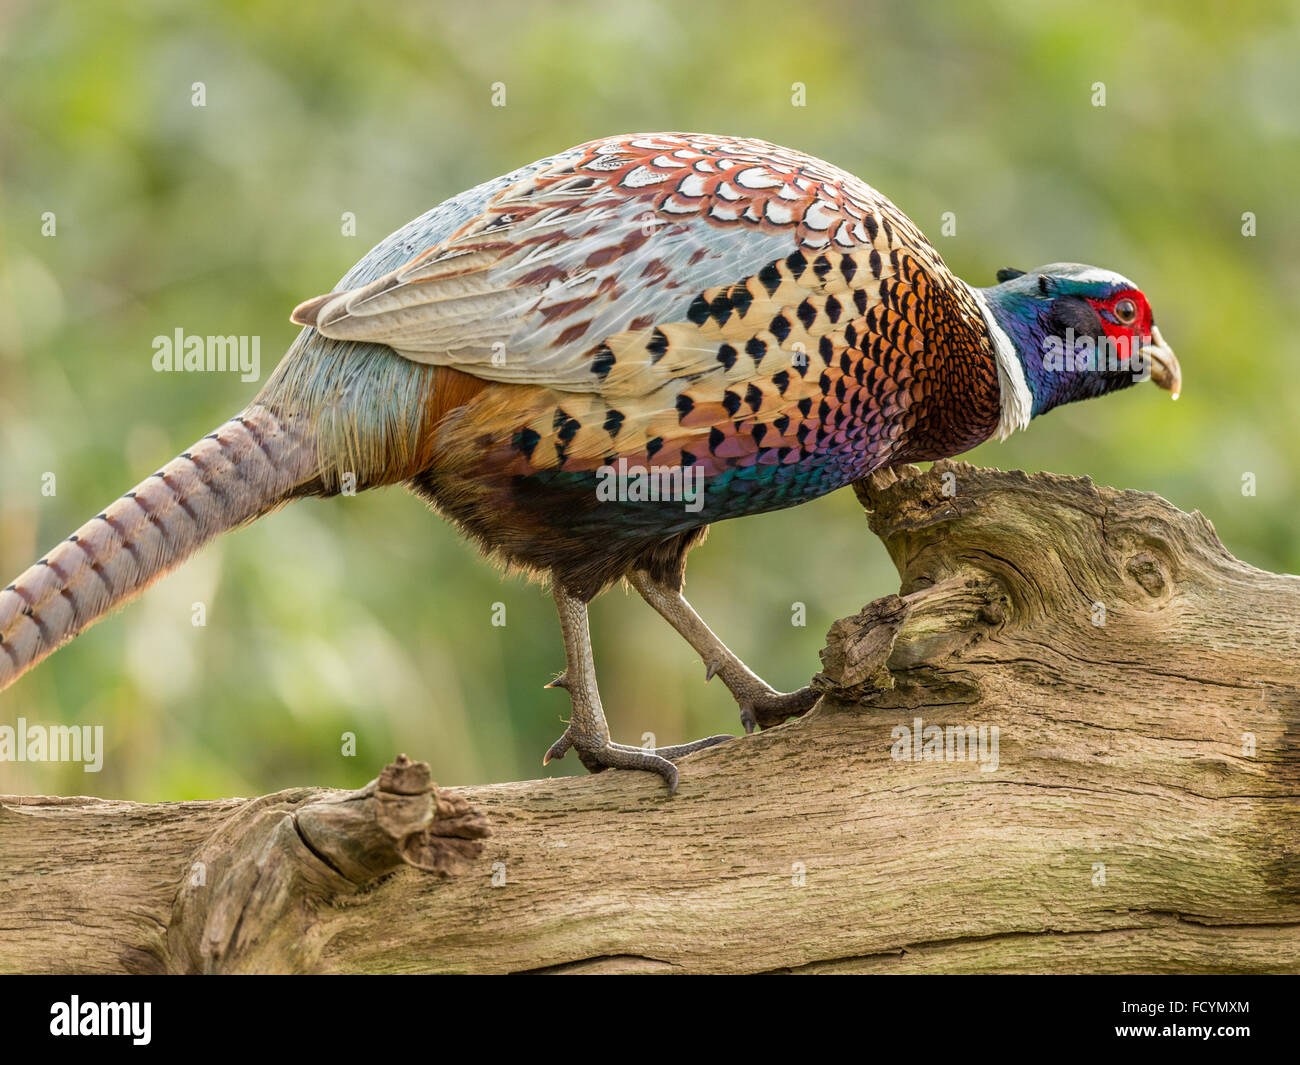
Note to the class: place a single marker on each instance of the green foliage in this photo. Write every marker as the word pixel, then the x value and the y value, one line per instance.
pixel 367 614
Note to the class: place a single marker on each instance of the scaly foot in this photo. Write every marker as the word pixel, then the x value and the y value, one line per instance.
pixel 763 709
pixel 610 755
pixel 588 733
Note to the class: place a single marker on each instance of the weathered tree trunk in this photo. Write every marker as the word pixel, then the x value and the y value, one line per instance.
pixel 1137 808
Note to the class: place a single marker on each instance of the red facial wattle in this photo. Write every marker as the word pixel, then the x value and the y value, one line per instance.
pixel 1124 334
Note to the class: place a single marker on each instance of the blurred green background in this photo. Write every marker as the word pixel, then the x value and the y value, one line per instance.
pixel 368 615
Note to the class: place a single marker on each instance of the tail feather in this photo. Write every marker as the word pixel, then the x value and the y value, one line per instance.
pixel 248 466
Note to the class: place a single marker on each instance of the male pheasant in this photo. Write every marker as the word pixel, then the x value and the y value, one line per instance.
pixel 747 316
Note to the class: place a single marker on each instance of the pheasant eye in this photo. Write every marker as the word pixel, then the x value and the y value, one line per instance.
pixel 1126 311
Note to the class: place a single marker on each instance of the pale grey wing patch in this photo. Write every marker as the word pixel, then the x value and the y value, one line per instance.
pixel 439 224
pixel 452 310
pixel 413 243
pixel 457 322
pixel 528 302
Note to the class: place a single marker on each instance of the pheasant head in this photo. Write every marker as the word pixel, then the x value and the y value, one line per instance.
pixel 1076 332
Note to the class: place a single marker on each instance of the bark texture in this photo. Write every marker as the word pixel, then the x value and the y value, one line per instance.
pixel 1139 813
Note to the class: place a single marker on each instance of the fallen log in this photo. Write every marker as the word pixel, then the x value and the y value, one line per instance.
pixel 1070 743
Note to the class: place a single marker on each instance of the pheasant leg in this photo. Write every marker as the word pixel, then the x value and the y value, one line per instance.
pixel 760 704
pixel 588 732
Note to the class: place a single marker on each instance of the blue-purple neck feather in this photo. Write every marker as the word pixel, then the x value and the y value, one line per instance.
pixel 1033 320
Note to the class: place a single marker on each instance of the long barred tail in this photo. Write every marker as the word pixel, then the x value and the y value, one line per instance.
pixel 245 468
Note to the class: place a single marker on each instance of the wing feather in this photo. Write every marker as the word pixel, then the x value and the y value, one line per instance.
pixel 590 251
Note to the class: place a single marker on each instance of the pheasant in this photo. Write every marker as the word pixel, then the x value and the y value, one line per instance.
pixel 743 325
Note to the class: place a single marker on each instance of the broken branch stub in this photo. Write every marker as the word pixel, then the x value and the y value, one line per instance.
pixel 259 880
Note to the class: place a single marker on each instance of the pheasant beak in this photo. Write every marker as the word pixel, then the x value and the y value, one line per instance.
pixel 1165 370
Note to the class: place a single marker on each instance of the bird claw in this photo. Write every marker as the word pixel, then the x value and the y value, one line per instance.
pixel 611 755
pixel 558 749
pixel 773 707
